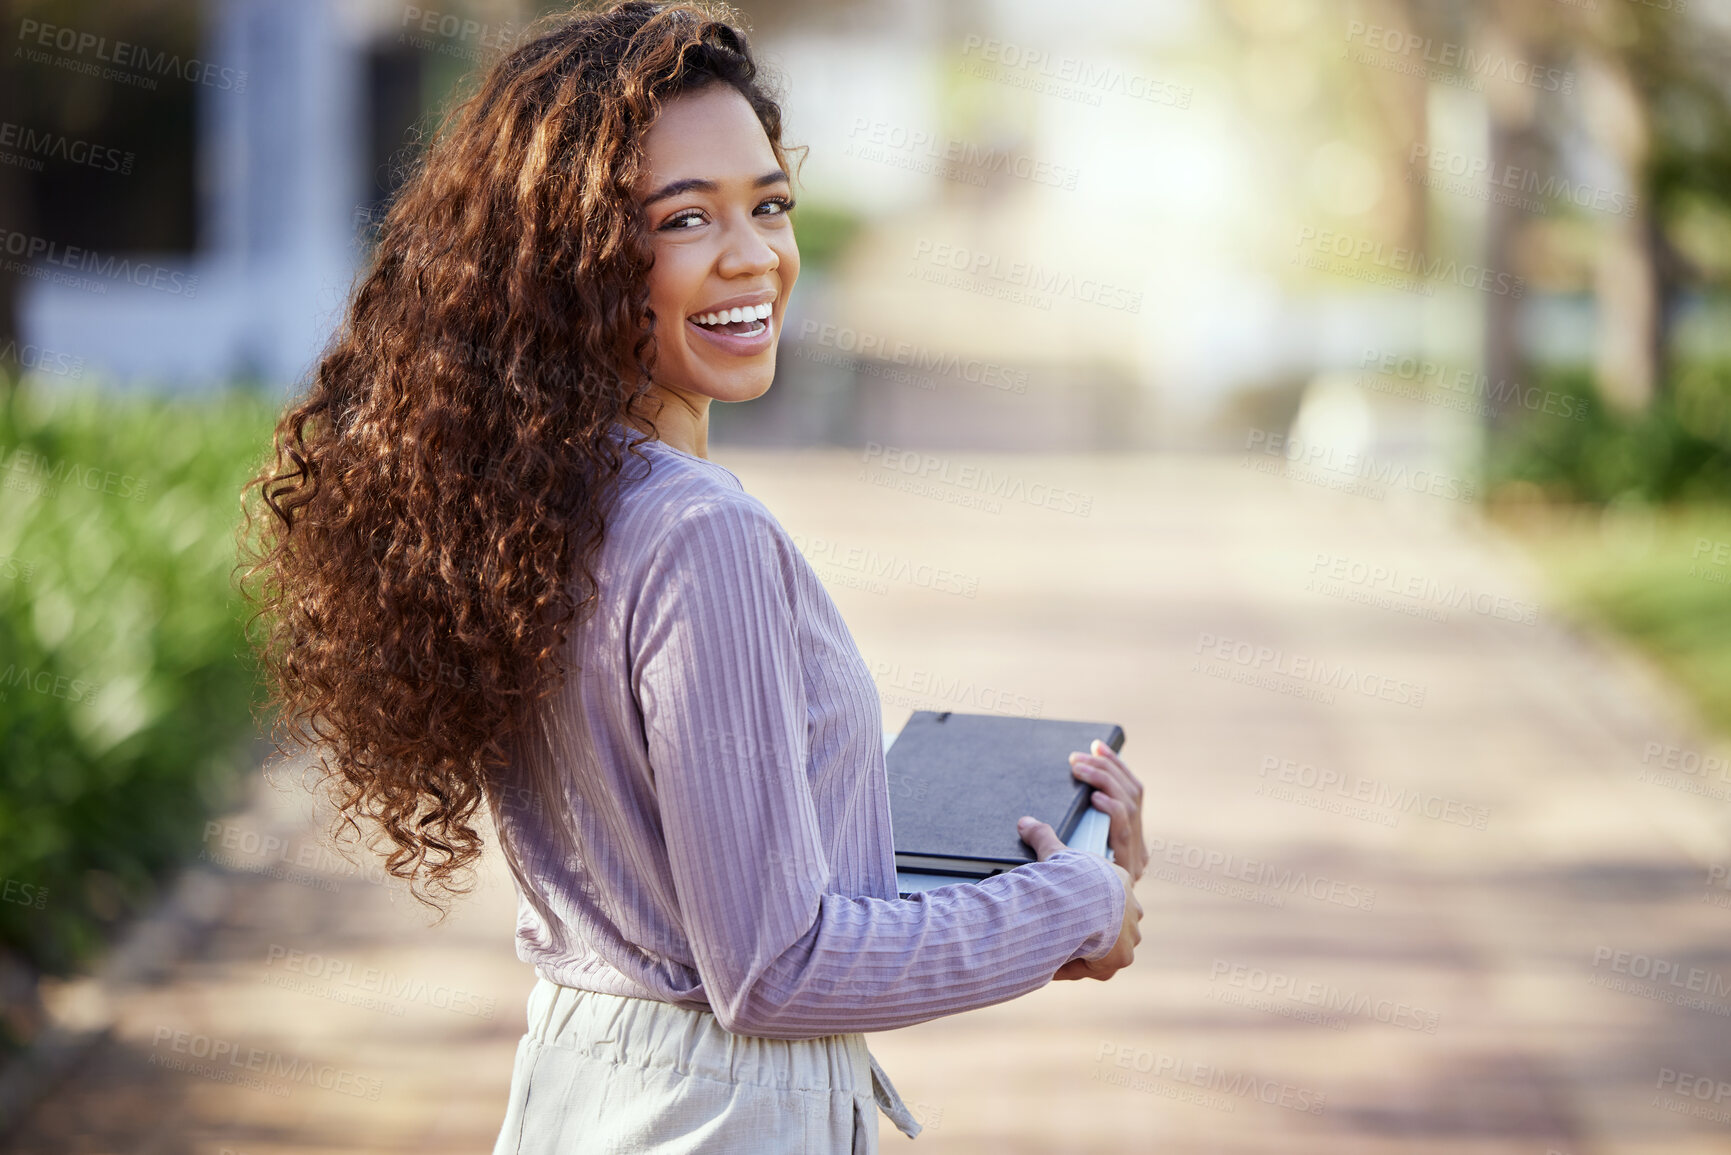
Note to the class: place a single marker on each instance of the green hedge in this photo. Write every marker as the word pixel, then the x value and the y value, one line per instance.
pixel 125 685
pixel 1678 449
pixel 1660 576
pixel 1635 529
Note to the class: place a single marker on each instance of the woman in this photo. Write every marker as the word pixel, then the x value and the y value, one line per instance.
pixel 498 565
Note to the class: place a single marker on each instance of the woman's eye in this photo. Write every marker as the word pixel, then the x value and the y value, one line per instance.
pixel 776 206
pixel 683 220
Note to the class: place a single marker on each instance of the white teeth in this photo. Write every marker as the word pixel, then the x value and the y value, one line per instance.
pixel 745 313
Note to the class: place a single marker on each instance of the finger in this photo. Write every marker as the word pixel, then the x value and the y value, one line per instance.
pixel 1074 969
pixel 1121 833
pixel 1104 754
pixel 1108 779
pixel 1100 771
pixel 1039 835
pixel 1115 809
pixel 1100 749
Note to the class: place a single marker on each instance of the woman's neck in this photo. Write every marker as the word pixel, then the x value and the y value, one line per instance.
pixel 682 420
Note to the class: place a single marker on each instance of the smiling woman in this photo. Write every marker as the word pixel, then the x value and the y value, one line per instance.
pixel 501 471
pixel 717 200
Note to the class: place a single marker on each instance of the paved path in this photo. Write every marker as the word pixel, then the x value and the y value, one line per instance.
pixel 1401 908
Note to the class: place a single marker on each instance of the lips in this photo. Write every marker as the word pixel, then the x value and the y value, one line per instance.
pixel 741 327
pixel 740 320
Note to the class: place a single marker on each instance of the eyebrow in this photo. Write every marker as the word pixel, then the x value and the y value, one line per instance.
pixel 698 184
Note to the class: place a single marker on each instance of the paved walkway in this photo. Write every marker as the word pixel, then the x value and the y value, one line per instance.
pixel 1423 886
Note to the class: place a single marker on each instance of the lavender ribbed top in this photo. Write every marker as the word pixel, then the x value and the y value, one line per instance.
pixel 717 758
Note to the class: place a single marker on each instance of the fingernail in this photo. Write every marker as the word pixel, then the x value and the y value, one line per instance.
pixel 1024 820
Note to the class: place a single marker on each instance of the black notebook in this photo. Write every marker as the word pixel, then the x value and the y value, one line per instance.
pixel 958 782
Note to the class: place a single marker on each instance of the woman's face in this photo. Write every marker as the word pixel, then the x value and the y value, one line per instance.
pixel 716 201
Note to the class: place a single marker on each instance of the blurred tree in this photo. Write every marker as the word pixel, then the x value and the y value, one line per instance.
pixel 1515 142
pixel 1653 98
pixel 1679 68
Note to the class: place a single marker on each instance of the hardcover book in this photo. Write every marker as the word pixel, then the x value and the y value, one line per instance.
pixel 958 782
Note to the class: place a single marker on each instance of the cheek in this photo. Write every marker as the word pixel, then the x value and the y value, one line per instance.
pixel 788 254
pixel 673 283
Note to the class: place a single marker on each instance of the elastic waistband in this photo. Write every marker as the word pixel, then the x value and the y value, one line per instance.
pixel 651 1034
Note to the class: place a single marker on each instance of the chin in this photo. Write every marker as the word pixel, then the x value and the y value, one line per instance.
pixel 744 388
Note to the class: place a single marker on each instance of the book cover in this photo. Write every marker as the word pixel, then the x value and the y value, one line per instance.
pixel 958 782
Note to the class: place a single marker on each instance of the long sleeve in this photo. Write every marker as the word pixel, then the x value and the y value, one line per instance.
pixel 715 669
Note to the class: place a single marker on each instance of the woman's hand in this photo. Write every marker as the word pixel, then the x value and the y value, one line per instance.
pixel 1044 841
pixel 1119 793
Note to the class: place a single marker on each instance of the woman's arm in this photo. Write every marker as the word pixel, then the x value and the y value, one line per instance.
pixel 717 674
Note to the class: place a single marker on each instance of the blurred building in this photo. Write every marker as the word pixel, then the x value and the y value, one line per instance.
pixel 1024 229
pixel 296 131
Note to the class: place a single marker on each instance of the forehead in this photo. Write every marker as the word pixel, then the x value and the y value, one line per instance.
pixel 711 134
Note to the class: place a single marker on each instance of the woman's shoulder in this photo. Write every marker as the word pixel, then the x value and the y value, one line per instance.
pixel 670 494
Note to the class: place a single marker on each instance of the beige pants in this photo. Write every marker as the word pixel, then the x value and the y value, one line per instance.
pixel 606 1074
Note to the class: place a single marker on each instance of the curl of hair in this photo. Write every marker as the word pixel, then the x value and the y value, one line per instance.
pixel 421 540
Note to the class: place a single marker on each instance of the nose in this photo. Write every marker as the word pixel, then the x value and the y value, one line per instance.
pixel 744 252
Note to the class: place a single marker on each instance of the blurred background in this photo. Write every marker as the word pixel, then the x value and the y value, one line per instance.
pixel 1336 393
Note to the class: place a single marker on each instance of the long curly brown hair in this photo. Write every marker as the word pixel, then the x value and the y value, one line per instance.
pixel 421 541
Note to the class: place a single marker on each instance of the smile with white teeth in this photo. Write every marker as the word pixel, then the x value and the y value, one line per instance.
pixel 743 322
